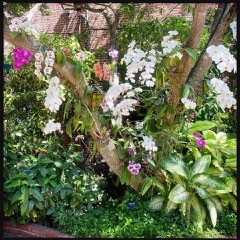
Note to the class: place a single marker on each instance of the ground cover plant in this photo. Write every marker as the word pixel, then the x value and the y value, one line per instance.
pixel 154 114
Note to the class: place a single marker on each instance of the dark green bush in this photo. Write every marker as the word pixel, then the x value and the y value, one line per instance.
pixel 114 219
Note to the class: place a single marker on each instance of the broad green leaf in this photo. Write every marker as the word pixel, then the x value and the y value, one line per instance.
pixel 158 184
pixel 212 211
pixel 201 165
pixel 191 52
pixel 146 184
pixel 16 196
pixel 151 162
pixel 125 175
pixel 37 195
pixel 14 35
pixel 170 109
pixel 56 189
pixel 196 153
pixel 233 202
pixel 78 70
pixel 231 163
pixel 169 207
pixel 39 205
pixel 161 112
pixel 31 205
pixel 221 137
pixel 180 180
pixel 175 166
pixel 69 127
pixel 232 184
pixel 45 160
pixel 185 90
pixel 13 184
pixel 59 56
pixel 217 203
pixel 50 211
pixel 174 51
pixel 198 208
pixel 156 203
pixel 25 202
pixel 202 192
pixel 211 143
pixel 200 126
pixel 43 171
pixel 208 134
pixel 179 194
pixel 211 182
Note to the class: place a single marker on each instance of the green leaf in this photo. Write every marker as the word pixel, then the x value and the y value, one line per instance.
pixel 89 90
pixel 201 165
pixel 14 35
pixel 16 196
pixel 208 134
pixel 13 184
pixel 146 184
pixel 217 203
pixel 78 108
pixel 231 163
pixel 221 137
pixel 78 69
pixel 39 205
pixel 212 211
pixel 69 127
pixel 232 184
pixel 45 160
pixel 175 166
pixel 202 192
pixel 200 126
pixel 196 153
pixel 174 51
pixel 161 112
pixel 43 171
pixel 169 207
pixel 211 182
pixel 170 109
pixel 198 208
pixel 191 53
pixel 125 175
pixel 67 108
pixel 38 195
pixel 156 203
pixel 185 90
pixel 158 184
pixel 179 194
pixel 25 201
pixel 50 211
pixel 31 205
pixel 59 56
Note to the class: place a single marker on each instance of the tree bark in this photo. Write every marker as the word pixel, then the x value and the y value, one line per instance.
pixel 179 75
pixel 105 145
pixel 204 62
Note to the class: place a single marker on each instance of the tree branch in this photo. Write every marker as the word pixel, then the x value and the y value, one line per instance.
pixel 179 76
pixel 204 62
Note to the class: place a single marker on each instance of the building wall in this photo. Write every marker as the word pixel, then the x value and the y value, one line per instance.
pixel 68 23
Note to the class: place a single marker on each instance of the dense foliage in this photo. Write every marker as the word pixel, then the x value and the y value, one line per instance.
pixel 187 168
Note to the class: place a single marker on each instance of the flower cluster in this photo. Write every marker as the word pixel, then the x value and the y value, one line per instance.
pixel 101 72
pixel 51 127
pixel 113 54
pixel 49 61
pixel 225 96
pixel 21 57
pixel 80 56
pixel 136 61
pixel 134 167
pixel 188 103
pixel 123 107
pixel 233 26
pixel 15 24
pixel 149 144
pixel 168 44
pixel 200 142
pixel 53 101
pixel 223 58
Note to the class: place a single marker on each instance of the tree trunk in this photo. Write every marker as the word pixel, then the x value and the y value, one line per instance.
pixel 204 62
pixel 105 145
pixel 179 75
